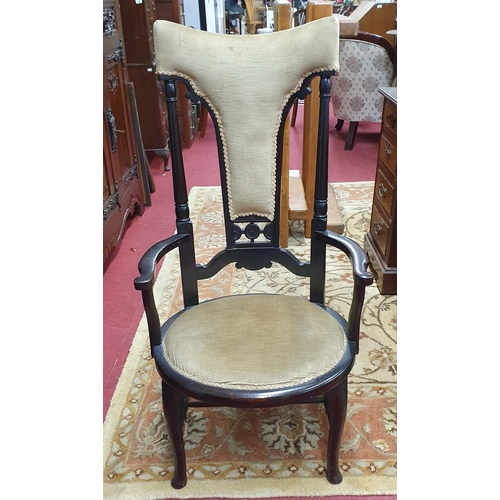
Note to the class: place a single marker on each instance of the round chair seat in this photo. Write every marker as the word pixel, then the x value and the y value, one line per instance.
pixel 254 342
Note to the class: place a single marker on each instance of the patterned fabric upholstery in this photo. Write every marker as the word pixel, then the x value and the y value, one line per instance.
pixel 364 67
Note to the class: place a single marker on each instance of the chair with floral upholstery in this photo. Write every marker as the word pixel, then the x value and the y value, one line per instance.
pixel 366 63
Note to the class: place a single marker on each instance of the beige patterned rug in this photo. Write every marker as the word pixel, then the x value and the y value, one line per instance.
pixel 265 452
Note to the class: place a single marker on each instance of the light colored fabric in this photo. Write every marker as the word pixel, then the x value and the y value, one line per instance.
pixel 364 67
pixel 247 80
pixel 254 342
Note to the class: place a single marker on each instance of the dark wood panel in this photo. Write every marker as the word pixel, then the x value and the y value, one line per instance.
pixel 388 154
pixel 170 10
pixel 184 112
pixel 149 97
pixel 384 190
pixel 385 276
pixel 123 186
pixel 390 120
pixel 380 19
pixel 137 35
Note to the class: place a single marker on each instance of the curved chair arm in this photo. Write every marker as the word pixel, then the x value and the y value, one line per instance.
pixel 356 255
pixel 145 282
pixel 362 278
pixel 377 40
pixel 147 264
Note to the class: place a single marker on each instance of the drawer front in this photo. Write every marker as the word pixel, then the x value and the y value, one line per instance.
pixel 384 192
pixel 380 230
pixel 390 119
pixel 388 154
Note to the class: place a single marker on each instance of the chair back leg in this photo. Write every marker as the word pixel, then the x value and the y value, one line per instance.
pixel 294 113
pixel 351 134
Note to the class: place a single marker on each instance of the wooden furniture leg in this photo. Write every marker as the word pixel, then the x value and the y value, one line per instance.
pixel 294 112
pixel 175 407
pixel 282 21
pixel 336 410
pixel 202 122
pixel 351 134
pixel 164 154
pixel 285 186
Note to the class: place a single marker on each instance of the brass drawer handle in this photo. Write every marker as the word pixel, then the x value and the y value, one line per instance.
pixel 388 153
pixel 382 190
pixel 377 228
pixel 391 121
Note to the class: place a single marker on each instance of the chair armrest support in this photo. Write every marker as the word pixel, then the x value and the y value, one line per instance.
pixel 145 282
pixel 148 262
pixel 362 278
pixel 356 254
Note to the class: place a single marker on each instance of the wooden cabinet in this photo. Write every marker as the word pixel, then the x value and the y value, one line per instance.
pixel 171 10
pixel 376 17
pixel 138 19
pixel 380 19
pixel 123 186
pixel 381 241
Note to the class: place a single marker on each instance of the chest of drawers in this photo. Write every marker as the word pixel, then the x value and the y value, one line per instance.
pixel 381 241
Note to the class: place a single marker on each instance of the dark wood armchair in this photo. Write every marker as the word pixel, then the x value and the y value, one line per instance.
pixel 255 350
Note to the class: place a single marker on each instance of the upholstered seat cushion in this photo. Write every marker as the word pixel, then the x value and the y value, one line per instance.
pixel 254 342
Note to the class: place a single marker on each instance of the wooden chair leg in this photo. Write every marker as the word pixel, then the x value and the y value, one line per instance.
pixel 339 124
pixel 294 113
pixel 336 409
pixel 202 122
pixel 353 127
pixel 174 408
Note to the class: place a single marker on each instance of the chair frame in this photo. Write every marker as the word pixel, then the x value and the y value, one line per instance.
pixel 252 20
pixel 330 389
pixel 299 18
pixel 385 44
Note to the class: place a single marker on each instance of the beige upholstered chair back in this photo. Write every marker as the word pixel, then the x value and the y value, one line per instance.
pixel 364 67
pixel 247 81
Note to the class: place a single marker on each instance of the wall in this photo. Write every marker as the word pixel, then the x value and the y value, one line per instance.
pixel 192 13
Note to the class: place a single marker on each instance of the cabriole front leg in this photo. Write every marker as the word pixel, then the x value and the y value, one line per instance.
pixel 174 408
pixel 336 410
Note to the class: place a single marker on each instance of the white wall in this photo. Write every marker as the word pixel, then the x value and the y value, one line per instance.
pixel 210 9
pixel 191 10
pixel 215 15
